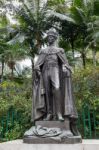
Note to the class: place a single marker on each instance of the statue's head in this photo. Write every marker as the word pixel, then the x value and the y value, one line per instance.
pixel 52 36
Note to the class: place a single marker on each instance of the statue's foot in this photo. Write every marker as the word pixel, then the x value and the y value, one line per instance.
pixel 60 118
pixel 48 117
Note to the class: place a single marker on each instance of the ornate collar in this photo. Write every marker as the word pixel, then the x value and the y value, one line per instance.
pixel 51 50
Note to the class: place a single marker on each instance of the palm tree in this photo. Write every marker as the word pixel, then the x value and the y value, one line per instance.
pixel 9 52
pixel 33 21
pixel 83 12
pixel 93 35
pixel 35 18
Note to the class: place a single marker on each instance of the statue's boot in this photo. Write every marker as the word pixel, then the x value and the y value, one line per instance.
pixel 48 117
pixel 60 117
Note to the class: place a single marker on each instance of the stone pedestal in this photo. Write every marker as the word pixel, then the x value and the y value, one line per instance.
pixel 39 140
pixel 54 124
pixel 64 126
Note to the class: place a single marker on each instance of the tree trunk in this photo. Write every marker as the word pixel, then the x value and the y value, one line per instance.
pixel 94 57
pixel 12 72
pixel 72 45
pixel 2 67
pixel 11 65
pixel 83 59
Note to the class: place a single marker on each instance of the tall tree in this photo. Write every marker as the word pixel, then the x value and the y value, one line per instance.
pixel 3 45
pixel 83 12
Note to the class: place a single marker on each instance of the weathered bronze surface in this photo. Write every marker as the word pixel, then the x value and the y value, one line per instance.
pixel 53 98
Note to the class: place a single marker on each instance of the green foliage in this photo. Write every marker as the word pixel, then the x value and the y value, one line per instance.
pixel 15 109
pixel 13 95
pixel 32 24
pixel 14 133
pixel 86 87
pixel 96 6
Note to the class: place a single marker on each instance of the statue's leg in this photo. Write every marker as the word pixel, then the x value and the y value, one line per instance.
pixel 49 110
pixel 56 93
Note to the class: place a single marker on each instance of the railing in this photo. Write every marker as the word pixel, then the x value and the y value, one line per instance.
pixel 88 123
pixel 7 122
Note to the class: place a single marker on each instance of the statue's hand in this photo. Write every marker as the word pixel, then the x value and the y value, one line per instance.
pixel 68 67
pixel 65 69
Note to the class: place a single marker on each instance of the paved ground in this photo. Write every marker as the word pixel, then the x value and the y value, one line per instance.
pixel 19 145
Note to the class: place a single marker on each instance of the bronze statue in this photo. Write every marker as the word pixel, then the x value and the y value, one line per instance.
pixel 53 98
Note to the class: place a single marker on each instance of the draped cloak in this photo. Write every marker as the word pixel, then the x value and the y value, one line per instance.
pixel 67 98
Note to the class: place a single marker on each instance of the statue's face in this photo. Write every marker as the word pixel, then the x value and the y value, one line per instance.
pixel 51 39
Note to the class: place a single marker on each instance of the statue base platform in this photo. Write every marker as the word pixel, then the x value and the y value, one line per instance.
pixel 64 126
pixel 47 140
pixel 54 124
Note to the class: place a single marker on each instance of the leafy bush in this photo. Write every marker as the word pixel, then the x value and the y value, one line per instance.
pixel 15 98
pixel 86 87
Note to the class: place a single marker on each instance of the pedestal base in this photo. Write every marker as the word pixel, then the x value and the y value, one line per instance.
pixel 65 138
pixel 39 140
pixel 54 124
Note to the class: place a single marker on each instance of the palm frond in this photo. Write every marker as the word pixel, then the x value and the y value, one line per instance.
pixel 62 16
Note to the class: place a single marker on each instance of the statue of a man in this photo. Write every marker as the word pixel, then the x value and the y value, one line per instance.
pixel 53 96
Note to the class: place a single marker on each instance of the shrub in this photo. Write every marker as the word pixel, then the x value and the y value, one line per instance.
pixel 86 87
pixel 15 98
